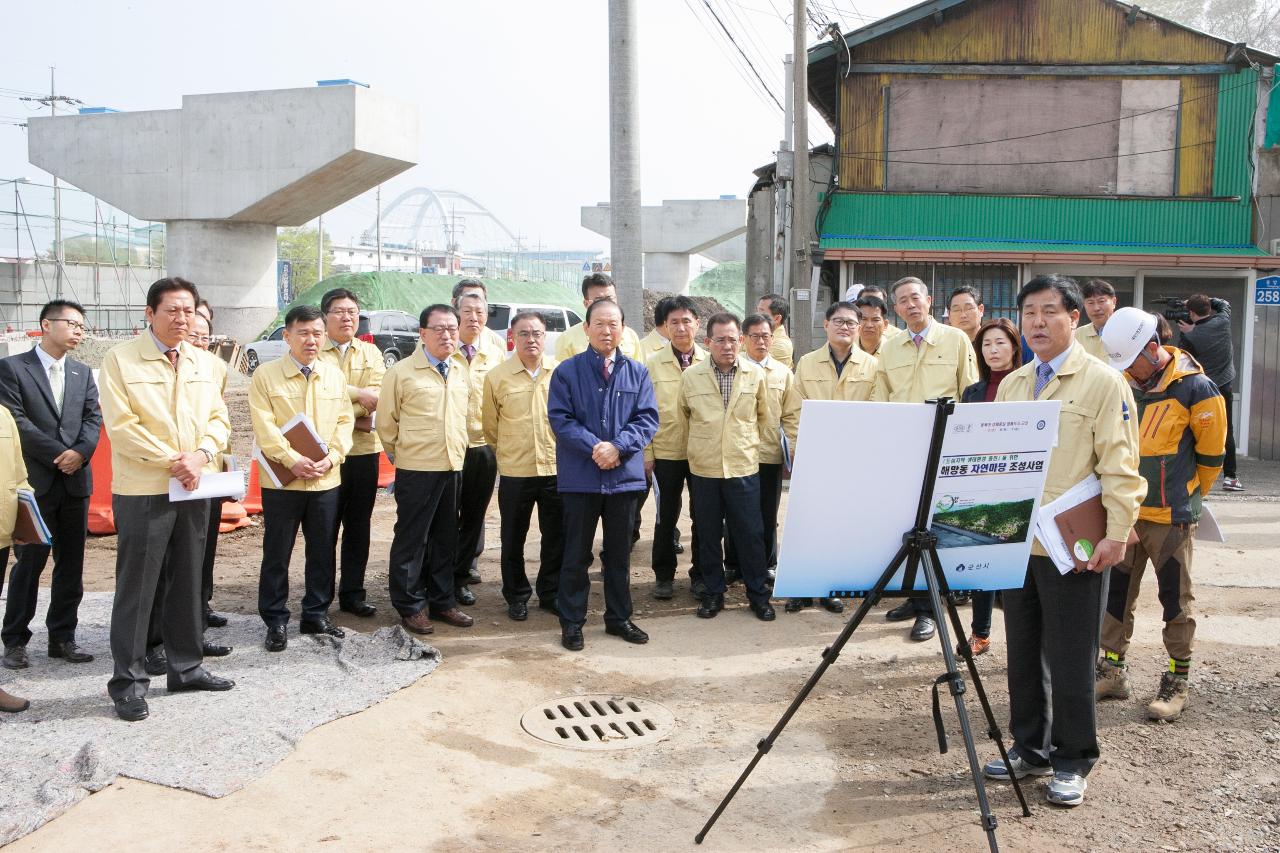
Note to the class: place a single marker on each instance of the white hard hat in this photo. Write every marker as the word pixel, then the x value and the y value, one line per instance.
pixel 1126 334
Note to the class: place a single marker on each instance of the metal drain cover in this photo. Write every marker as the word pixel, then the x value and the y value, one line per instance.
pixel 598 722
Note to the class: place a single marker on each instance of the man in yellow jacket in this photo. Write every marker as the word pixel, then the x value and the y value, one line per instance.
pixel 1099 305
pixel 1052 622
pixel 477 356
pixel 784 419
pixel 299 383
pixel 164 415
pixel 422 421
pixel 666 459
pixel 1182 424
pixel 778 310
pixel 514 411
pixel 929 361
pixel 363 367
pixel 657 339
pixel 598 285
pixel 13 470
pixel 724 403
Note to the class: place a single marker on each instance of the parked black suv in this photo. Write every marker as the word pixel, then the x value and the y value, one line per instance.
pixel 395 333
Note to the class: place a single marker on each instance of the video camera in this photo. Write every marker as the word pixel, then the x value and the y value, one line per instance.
pixel 1176 309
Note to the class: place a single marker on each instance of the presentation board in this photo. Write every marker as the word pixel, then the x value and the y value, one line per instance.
pixel 856 481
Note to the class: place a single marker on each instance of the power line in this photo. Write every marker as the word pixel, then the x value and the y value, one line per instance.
pixel 1214 94
pixel 750 64
pixel 734 61
pixel 1039 162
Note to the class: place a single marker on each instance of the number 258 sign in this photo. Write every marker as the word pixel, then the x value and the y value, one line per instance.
pixel 1267 291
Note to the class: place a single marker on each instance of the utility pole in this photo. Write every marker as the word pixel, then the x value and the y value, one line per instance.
pixel 785 177
pixel 801 211
pixel 624 159
pixel 378 227
pixel 320 247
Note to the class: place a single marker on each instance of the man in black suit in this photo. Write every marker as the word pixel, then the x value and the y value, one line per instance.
pixel 54 402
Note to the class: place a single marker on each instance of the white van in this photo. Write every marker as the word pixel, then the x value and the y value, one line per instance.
pixel 558 320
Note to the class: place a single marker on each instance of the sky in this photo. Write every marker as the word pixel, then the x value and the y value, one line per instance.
pixel 513 95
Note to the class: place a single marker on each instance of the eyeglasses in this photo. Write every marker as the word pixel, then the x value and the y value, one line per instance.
pixel 443 330
pixel 531 336
pixel 723 342
pixel 199 339
pixel 844 322
pixel 71 324
pixel 344 312
pixel 761 337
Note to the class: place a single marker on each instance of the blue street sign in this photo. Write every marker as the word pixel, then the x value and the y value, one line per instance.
pixel 1267 291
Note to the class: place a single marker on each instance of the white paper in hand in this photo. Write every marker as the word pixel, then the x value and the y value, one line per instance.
pixel 1047 526
pixel 228 484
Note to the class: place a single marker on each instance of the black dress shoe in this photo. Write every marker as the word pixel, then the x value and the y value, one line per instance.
pixel 764 612
pixel 216 650
pixel 15 657
pixel 518 611
pixel 571 639
pixel 156 661
pixel 904 611
pixel 465 596
pixel 628 631
pixel 277 639
pixel 363 609
pixel 473 576
pixel 663 590
pixel 711 605
pixel 132 710
pixel 321 626
pixel 834 605
pixel 69 651
pixel 924 628
pixel 214 620
pixel 795 605
pixel 550 606
pixel 208 681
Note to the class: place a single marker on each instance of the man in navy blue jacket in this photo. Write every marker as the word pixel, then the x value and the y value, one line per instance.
pixel 603 413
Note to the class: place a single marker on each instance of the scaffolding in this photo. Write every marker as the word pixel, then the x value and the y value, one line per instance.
pixel 63 243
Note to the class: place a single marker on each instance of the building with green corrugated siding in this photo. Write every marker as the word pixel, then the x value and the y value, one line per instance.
pixel 984 142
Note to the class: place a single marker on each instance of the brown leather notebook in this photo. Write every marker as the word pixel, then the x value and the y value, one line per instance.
pixel 282 473
pixel 303 440
pixel 1082 528
pixel 28 527
pixel 364 424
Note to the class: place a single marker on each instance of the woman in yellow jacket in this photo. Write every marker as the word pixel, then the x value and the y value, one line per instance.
pixel 13 476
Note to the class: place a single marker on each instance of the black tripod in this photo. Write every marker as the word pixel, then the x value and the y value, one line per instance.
pixel 919 551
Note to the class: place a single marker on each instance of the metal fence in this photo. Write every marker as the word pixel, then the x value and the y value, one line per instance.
pixel 64 243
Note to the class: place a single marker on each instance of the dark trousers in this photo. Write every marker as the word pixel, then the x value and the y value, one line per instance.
pixel 68 520
pixel 616 515
pixel 1052 626
pixel 210 553
pixel 734 501
pixel 984 604
pixel 158 542
pixel 356 497
pixel 672 475
pixel 283 512
pixel 475 490
pixel 426 513
pixel 517 496
pixel 1229 460
pixel 770 500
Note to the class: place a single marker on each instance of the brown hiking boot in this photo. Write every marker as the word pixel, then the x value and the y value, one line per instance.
pixel 1170 699
pixel 418 623
pixel 11 704
pixel 1110 682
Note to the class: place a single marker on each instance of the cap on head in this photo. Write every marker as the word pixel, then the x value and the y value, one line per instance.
pixel 1126 334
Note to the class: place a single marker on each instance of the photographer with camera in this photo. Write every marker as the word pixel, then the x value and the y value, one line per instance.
pixel 1207 336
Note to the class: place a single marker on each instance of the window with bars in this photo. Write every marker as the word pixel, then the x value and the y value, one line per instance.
pixel 998 283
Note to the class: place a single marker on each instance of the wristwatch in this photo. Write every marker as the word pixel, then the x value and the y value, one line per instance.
pixel 207 453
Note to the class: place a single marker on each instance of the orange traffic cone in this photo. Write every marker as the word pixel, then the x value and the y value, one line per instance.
pixel 252 502
pixel 234 517
pixel 102 519
pixel 386 471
